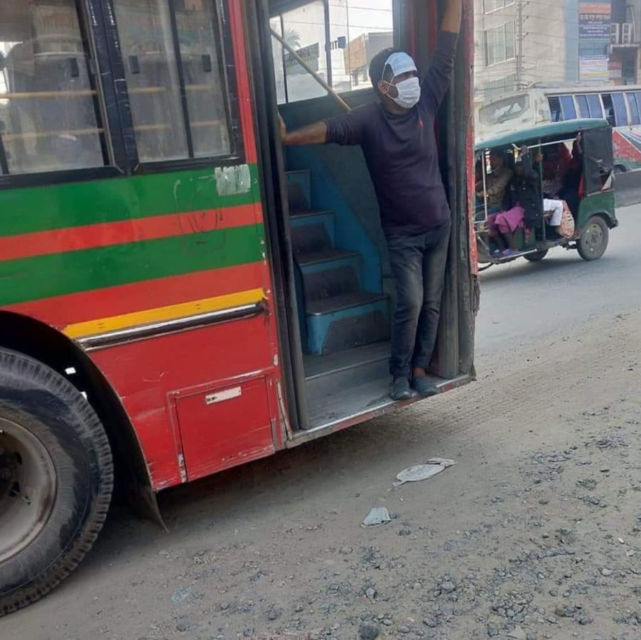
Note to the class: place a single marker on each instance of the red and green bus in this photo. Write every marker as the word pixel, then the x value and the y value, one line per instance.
pixel 178 293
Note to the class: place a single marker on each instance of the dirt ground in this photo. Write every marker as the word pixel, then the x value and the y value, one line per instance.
pixel 534 533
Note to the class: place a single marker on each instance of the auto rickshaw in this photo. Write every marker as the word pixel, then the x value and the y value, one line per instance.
pixel 573 163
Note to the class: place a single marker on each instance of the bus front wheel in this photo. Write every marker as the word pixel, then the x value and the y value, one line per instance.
pixel 593 240
pixel 56 479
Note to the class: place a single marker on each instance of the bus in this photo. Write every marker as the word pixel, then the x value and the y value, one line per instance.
pixel 619 105
pixel 178 293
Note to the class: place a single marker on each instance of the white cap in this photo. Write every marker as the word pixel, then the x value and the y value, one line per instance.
pixel 399 62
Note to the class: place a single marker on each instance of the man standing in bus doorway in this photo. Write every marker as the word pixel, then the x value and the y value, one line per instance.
pixel 396 134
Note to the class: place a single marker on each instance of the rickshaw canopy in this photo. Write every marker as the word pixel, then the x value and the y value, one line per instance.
pixel 521 136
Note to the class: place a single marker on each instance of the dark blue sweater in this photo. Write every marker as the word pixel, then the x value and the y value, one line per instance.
pixel 401 153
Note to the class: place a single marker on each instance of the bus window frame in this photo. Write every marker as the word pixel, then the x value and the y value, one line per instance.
pixel 634 108
pixel 232 106
pixel 601 105
pixel 616 95
pixel 102 47
pixel 557 108
pixel 569 97
pixel 90 20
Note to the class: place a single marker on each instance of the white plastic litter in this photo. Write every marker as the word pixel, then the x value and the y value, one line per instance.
pixel 376 517
pixel 423 471
pixel 446 462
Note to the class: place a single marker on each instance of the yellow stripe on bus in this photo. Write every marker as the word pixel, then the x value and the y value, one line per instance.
pixel 160 314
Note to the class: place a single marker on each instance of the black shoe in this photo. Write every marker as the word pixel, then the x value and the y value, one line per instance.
pixel 400 389
pixel 424 386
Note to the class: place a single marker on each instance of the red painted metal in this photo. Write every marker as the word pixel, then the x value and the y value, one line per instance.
pixel 112 301
pixel 242 79
pixel 136 230
pixel 214 435
pixel 467 31
pixel 149 374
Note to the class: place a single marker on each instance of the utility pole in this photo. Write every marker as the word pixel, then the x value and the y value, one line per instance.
pixel 519 45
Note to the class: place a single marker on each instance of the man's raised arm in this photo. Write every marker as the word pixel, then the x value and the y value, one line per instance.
pixel 452 17
pixel 439 75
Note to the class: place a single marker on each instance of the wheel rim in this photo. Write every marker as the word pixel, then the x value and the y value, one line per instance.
pixel 27 487
pixel 593 239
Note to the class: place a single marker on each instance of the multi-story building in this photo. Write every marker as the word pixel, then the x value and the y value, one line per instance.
pixel 520 43
pixel 625 38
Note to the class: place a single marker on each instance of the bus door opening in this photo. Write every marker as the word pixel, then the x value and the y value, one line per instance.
pixel 344 292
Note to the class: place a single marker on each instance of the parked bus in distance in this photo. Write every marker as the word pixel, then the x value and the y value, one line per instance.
pixel 619 105
pixel 178 293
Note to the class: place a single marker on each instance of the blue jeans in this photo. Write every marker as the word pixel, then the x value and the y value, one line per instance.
pixel 418 267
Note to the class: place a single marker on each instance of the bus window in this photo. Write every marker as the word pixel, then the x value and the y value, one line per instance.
pixel 594 104
pixel 620 111
pixel 49 118
pixel 568 108
pixel 633 107
pixel 501 111
pixel 177 91
pixel 356 34
pixel 303 29
pixel 582 102
pixel 608 107
pixel 555 109
pixel 589 106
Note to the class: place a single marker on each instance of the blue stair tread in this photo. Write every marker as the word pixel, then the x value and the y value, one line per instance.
pixel 343 301
pixel 327 255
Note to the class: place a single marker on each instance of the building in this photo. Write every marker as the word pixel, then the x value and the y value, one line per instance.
pixel 625 42
pixel 519 43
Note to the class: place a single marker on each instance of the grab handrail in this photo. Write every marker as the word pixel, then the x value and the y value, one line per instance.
pixel 309 70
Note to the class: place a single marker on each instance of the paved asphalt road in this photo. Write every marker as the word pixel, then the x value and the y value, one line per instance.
pixel 520 300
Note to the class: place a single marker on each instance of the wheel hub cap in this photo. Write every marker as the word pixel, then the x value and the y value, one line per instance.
pixel 27 487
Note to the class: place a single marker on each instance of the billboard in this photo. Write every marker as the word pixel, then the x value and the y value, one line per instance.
pixel 594 40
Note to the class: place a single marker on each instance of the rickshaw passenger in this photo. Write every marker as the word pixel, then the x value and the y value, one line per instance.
pixel 573 183
pixel 527 210
pixel 496 182
pixel 556 162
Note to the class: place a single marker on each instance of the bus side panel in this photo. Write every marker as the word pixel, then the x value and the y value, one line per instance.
pixel 90 258
pixel 168 386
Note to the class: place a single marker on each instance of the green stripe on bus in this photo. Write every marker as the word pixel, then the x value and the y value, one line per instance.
pixel 46 208
pixel 59 274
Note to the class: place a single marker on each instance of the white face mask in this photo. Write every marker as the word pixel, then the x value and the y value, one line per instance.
pixel 409 92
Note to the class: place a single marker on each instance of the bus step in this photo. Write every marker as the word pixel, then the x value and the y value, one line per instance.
pixel 299 189
pixel 327 259
pixel 323 286
pixel 311 238
pixel 302 219
pixel 346 321
pixel 330 374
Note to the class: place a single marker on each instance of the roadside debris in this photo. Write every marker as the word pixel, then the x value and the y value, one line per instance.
pixel 423 471
pixel 376 517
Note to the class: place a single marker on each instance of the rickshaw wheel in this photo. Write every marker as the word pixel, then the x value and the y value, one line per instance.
pixel 593 241
pixel 536 257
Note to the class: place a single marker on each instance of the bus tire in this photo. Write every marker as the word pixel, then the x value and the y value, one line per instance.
pixel 536 257
pixel 56 479
pixel 593 240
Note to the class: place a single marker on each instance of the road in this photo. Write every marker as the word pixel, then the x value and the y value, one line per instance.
pixel 534 534
pixel 522 301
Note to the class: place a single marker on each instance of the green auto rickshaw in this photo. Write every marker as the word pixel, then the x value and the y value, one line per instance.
pixel 545 187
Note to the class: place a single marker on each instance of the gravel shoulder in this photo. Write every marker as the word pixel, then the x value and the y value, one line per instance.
pixel 534 533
